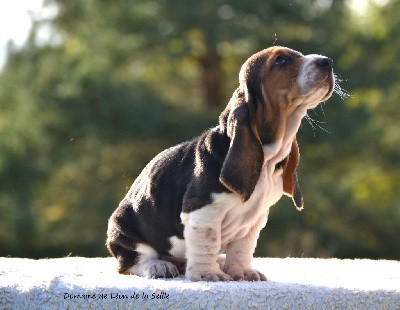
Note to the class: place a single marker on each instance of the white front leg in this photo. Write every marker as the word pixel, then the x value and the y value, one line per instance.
pixel 240 253
pixel 203 243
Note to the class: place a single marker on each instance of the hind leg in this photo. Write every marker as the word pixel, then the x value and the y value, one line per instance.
pixel 135 257
pixel 143 261
pixel 150 266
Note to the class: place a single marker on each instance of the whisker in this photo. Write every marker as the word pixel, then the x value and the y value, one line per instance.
pixel 314 123
pixel 343 94
pixel 316 114
pixel 317 122
pixel 311 124
pixel 322 105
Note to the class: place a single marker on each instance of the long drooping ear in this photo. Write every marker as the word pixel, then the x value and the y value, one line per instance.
pixel 291 185
pixel 243 162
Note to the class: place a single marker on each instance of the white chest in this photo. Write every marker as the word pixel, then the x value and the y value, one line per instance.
pixel 234 219
pixel 240 218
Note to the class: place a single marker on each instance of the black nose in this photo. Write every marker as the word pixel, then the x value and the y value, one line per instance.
pixel 324 62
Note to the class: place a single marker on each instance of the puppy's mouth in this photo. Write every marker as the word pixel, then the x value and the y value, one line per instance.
pixel 322 91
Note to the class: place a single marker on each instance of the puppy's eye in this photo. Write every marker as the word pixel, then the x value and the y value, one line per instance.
pixel 281 61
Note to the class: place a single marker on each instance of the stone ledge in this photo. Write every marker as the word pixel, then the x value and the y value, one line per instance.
pixel 294 283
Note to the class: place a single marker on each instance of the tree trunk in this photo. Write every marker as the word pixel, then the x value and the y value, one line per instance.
pixel 211 65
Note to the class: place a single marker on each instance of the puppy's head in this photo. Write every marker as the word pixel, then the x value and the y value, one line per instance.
pixel 277 87
pixel 279 81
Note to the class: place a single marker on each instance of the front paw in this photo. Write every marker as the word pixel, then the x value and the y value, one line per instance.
pixel 254 275
pixel 246 275
pixel 207 275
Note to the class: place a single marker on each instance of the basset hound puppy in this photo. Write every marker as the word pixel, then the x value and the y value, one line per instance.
pixel 212 195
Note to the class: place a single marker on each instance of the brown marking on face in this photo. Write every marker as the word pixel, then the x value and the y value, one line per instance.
pixel 271 78
pixel 273 88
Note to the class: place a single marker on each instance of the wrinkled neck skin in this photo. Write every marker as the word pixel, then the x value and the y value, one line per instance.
pixel 286 122
pixel 275 123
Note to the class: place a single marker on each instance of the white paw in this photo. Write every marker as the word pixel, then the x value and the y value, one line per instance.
pixel 245 275
pixel 160 269
pixel 207 275
pixel 254 275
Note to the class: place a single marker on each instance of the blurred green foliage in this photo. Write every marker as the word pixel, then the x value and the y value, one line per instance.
pixel 118 81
